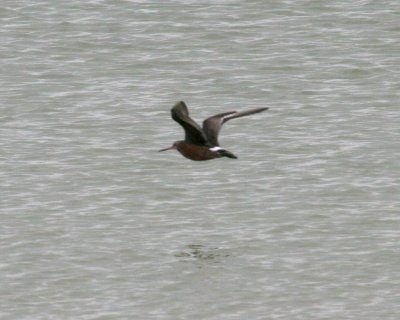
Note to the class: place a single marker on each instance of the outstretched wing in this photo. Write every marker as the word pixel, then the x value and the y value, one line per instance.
pixel 212 125
pixel 193 133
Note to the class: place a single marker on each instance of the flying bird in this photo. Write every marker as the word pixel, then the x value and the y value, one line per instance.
pixel 202 143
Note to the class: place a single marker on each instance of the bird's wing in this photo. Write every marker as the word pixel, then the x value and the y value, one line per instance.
pixel 212 125
pixel 193 133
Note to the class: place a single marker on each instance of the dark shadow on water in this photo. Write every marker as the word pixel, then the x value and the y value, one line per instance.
pixel 201 253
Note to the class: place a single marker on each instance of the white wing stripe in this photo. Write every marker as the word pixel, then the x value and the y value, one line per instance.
pixel 215 148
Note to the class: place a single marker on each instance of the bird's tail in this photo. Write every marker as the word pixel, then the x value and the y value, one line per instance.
pixel 226 153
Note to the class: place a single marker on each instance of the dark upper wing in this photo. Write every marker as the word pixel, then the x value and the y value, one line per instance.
pixel 193 133
pixel 212 125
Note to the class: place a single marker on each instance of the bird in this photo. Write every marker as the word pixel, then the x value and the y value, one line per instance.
pixel 202 144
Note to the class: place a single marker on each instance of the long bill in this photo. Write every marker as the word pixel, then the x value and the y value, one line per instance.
pixel 169 148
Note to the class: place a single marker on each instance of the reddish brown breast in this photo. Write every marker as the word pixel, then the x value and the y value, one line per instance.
pixel 196 153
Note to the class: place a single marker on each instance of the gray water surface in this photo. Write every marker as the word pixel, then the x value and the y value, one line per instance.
pixel 95 224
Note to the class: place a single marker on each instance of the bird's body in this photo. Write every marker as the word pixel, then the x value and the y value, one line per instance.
pixel 195 152
pixel 202 143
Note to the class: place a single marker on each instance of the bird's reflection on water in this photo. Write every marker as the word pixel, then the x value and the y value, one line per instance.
pixel 198 252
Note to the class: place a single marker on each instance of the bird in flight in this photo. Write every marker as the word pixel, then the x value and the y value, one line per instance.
pixel 202 143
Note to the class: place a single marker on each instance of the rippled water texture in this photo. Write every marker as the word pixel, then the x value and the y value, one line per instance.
pixel 95 224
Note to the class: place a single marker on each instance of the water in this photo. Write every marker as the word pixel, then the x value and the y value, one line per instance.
pixel 95 224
